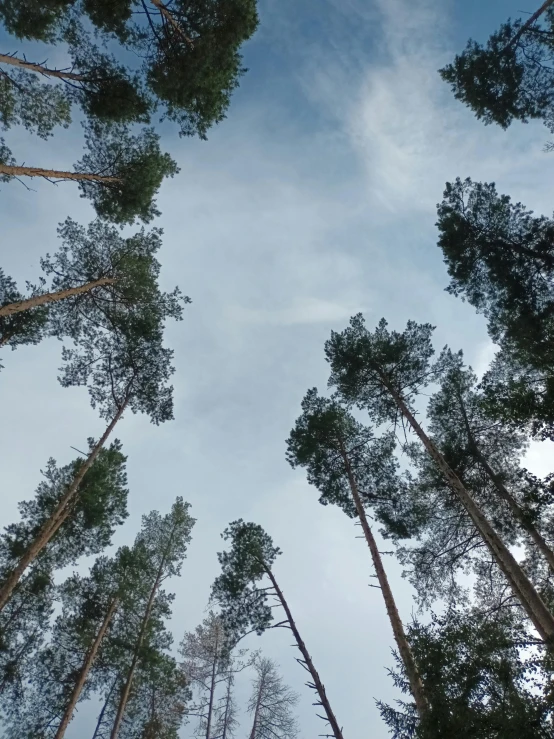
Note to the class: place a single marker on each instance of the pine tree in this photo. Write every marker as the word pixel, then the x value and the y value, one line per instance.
pixel 120 173
pixel 484 678
pixel 457 422
pixel 163 541
pixel 86 526
pixel 510 78
pixel 97 280
pixel 501 259
pixel 245 599
pixel 351 469
pixel 17 328
pixel 66 670
pixel 271 704
pixel 208 663
pixel 28 599
pixel 190 54
pixel 226 722
pixel 383 372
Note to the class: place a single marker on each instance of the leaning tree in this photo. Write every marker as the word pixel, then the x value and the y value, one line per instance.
pixel 247 588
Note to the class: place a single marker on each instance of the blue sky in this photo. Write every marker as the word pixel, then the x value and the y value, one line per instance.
pixel 313 201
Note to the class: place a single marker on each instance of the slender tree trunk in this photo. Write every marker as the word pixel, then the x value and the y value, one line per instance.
pixel 131 673
pixel 40 69
pixel 83 675
pixel 55 174
pixel 524 590
pixel 227 708
pixel 257 711
pixel 212 689
pixel 103 711
pixel 307 661
pixel 168 15
pixel 23 305
pixel 505 494
pixel 58 516
pixel 529 22
pixel 412 671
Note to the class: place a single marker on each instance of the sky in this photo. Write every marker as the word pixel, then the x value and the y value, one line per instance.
pixel 314 200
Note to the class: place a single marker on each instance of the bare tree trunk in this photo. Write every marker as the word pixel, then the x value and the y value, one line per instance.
pixel 317 685
pixel 257 711
pixel 23 305
pixel 131 673
pixel 89 661
pixel 58 516
pixel 505 494
pixel 412 671
pixel 40 69
pixel 212 688
pixel 524 590
pixel 103 711
pixel 55 174
pixel 168 15
pixel 227 708
pixel 529 22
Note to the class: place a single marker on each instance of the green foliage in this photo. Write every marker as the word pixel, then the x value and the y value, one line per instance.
pixel 100 251
pixel 100 506
pixel 27 327
pixel 505 81
pixel 501 258
pixel 365 365
pixel 481 683
pixel 237 590
pixel 33 19
pixel 520 394
pixel 36 105
pixel 191 60
pixel 322 435
pixel 136 163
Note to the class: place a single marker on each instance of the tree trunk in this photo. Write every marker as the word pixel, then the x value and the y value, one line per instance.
pixel 529 22
pixel 131 673
pixel 6 169
pixel 505 494
pixel 227 708
pixel 256 712
pixel 89 661
pixel 524 590
pixel 168 15
pixel 58 516
pixel 307 661
pixel 212 689
pixel 23 305
pixel 40 69
pixel 404 649
pixel 103 711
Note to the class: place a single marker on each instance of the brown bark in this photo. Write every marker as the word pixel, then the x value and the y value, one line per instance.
pixel 40 69
pixel 134 662
pixel 58 516
pixel 529 22
pixel 168 15
pixel 404 649
pixel 87 664
pixel 54 174
pixel 307 661
pixel 524 590
pixel 505 494
pixel 22 305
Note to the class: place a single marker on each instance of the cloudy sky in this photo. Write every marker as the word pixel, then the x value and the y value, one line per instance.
pixel 313 201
